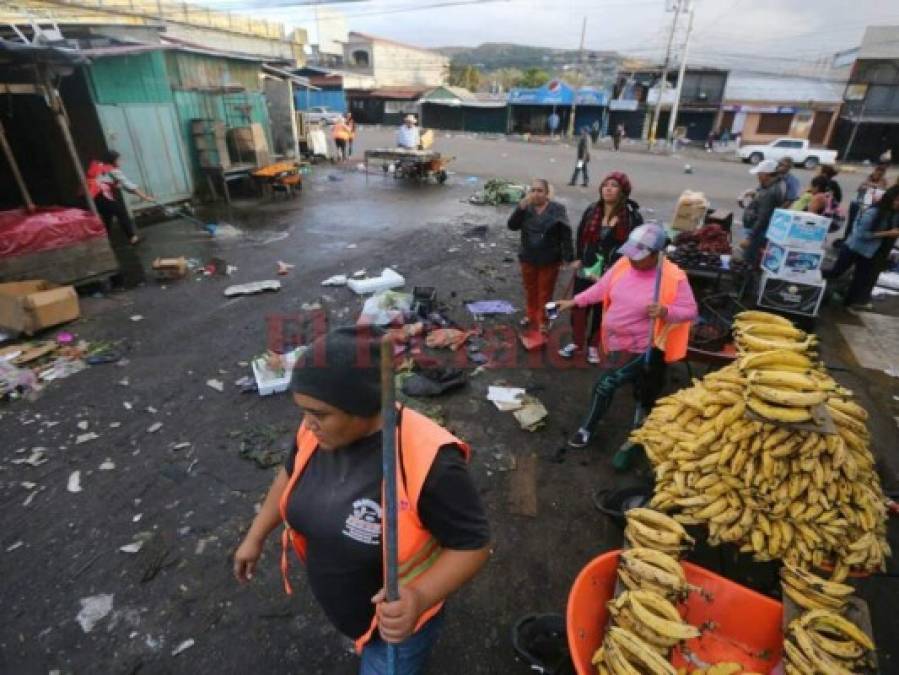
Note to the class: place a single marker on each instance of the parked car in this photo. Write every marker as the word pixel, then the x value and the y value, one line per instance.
pixel 797 149
pixel 322 114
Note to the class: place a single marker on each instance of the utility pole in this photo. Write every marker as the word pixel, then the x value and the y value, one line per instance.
pixel 580 61
pixel 858 121
pixel 664 79
pixel 672 120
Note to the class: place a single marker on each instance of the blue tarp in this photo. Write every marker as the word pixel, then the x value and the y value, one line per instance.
pixel 556 92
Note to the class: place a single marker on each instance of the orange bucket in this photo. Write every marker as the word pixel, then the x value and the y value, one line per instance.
pixel 746 625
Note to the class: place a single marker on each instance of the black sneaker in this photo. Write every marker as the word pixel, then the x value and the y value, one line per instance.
pixel 580 439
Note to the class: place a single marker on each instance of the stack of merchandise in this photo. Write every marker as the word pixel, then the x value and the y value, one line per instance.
pixel 791 267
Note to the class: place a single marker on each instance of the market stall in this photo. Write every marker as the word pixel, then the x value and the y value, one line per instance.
pixel 767 457
pixel 414 164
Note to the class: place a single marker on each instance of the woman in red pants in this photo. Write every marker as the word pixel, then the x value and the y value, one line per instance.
pixel 545 245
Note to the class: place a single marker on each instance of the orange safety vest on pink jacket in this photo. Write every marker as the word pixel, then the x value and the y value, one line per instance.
pixel 671 338
pixel 418 440
pixel 95 186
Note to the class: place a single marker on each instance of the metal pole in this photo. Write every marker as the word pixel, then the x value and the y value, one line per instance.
pixel 680 75
pixel 655 300
pixel 59 113
pixel 14 167
pixel 664 80
pixel 388 464
pixel 580 61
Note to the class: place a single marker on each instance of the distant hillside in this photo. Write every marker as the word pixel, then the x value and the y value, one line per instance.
pixel 493 55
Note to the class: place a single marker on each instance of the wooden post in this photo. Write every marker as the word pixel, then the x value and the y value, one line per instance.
pixel 29 204
pixel 59 113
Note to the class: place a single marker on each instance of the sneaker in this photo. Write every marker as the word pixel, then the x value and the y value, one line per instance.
pixel 580 439
pixel 593 355
pixel 569 350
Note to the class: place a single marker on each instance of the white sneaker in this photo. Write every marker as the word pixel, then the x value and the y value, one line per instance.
pixel 569 350
pixel 592 355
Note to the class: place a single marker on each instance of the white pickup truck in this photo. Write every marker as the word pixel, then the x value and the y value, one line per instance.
pixel 797 149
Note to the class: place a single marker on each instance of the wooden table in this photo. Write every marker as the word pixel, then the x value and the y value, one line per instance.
pixel 225 176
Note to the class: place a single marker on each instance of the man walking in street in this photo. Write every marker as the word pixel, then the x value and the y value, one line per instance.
pixel 583 157
pixel 617 136
pixel 792 186
pixel 769 196
pixel 553 123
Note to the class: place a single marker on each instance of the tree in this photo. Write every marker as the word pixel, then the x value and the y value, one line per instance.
pixel 468 77
pixel 506 78
pixel 532 78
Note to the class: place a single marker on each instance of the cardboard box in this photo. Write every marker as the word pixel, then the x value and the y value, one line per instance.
pixel 798 229
pixel 689 213
pixel 29 306
pixel 170 268
pixel 793 297
pixel 793 264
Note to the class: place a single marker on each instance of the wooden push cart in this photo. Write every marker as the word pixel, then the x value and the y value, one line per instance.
pixel 420 165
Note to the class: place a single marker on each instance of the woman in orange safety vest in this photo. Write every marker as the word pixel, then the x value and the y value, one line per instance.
pixel 105 182
pixel 341 134
pixel 626 292
pixel 329 498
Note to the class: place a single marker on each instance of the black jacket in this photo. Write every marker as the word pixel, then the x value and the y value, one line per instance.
pixel 583 149
pixel 609 240
pixel 545 237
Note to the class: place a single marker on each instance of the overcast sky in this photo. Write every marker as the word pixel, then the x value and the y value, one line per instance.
pixel 725 31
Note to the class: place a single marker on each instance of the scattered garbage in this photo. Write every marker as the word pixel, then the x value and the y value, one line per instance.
pixel 389 279
pixel 12 547
pixel 218 267
pixel 252 288
pixel 488 307
pixel 74 483
pixel 506 399
pixel 65 338
pixel 170 269
pixel 94 609
pixel 218 385
pixel 384 308
pixel 284 268
pixel 336 280
pixel 137 317
pixel 184 646
pixel 352 245
pixel 37 457
pixel 532 415
pixel 127 406
pixel 261 445
pixel 360 274
pixel 448 337
pixel 499 191
pixel 107 465
pixel 133 547
pixel 153 428
pixel 84 438
pixel 476 232
pixel 83 425
pixel 433 382
pixel 272 371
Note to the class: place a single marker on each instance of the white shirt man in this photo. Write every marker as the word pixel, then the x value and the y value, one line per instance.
pixel 409 135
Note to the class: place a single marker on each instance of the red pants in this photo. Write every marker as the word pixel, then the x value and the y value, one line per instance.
pixel 539 284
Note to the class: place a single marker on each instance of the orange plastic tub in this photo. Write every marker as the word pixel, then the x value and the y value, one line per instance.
pixel 746 626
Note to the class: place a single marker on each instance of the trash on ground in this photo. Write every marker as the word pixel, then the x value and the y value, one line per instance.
pixel 532 415
pixel 184 646
pixel 252 288
pixel 37 457
pixel 218 385
pixel 272 371
pixel 360 274
pixel 389 279
pixel 153 428
pixel 448 337
pixel 434 382
pixel 506 399
pixel 16 382
pixel 83 425
pixel 169 269
pixel 352 246
pixel 137 317
pixel 84 438
pixel 133 547
pixel 336 280
pixel 217 267
pixel 12 547
pixel 499 191
pixel 476 232
pixel 284 268
pixel 260 444
pixel 93 610
pixel 183 445
pixel 107 465
pixel 384 308
pixel 127 406
pixel 74 483
pixel 311 306
pixel 485 307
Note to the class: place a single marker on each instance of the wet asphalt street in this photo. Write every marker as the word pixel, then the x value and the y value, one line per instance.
pixel 184 489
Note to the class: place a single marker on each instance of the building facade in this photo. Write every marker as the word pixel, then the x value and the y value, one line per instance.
pixel 393 64
pixel 869 124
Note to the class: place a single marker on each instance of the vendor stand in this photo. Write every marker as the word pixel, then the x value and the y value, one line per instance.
pixel 419 165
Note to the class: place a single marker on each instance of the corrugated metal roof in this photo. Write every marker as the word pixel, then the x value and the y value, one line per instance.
pixel 753 87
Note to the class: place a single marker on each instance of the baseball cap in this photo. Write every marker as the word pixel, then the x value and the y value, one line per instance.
pixel 765 166
pixel 643 241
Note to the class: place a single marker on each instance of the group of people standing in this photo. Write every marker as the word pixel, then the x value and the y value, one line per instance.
pixel 614 257
pixel 872 224
pixel 344 133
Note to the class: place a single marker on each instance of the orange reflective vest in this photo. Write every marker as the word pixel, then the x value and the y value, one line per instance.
pixel 95 186
pixel 340 132
pixel 671 338
pixel 418 440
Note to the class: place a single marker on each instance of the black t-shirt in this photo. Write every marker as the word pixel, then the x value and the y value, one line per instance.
pixel 336 505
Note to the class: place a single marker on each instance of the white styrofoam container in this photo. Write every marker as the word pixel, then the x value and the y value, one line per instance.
pixel 794 297
pixel 270 382
pixel 794 264
pixel 798 229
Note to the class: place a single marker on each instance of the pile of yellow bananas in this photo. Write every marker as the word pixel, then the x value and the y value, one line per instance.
pixel 822 641
pixel 645 624
pixel 809 591
pixel 778 492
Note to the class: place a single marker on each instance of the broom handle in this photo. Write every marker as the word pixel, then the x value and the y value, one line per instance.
pixel 388 463
pixel 655 300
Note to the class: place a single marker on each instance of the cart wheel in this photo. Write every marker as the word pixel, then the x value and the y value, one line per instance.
pixel 441 177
